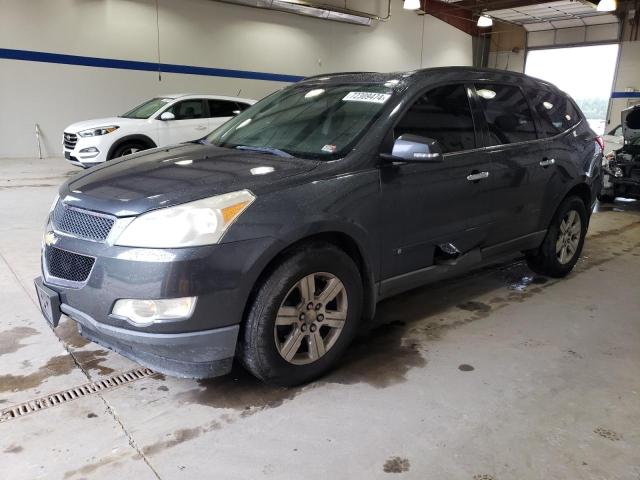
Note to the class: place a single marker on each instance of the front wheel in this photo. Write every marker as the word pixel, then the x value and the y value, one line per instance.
pixel 303 317
pixel 563 243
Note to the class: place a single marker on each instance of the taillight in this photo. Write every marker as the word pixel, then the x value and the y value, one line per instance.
pixel 600 141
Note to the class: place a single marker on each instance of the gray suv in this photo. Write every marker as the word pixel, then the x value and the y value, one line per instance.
pixel 272 239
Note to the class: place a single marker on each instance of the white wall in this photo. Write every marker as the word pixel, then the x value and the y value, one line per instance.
pixel 627 76
pixel 192 32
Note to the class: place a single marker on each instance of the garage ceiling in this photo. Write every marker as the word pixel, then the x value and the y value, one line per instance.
pixel 552 15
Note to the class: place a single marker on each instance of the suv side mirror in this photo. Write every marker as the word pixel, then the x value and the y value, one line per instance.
pixel 167 116
pixel 414 149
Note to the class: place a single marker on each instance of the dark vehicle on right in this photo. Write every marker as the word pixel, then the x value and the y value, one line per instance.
pixel 622 167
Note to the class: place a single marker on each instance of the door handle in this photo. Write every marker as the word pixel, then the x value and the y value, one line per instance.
pixel 477 176
pixel 547 162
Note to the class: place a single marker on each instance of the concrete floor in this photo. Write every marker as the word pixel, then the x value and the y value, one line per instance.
pixel 498 375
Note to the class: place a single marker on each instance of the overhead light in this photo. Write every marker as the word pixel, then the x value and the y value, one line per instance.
pixel 411 4
pixel 606 6
pixel 485 21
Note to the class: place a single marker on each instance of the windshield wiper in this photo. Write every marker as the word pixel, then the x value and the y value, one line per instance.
pixel 272 151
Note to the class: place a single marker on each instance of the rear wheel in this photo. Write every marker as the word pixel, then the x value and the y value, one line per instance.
pixel 563 243
pixel 303 317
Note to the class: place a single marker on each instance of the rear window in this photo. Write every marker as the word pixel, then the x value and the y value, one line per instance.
pixel 556 112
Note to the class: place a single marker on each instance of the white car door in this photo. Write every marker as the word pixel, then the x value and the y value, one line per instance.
pixel 221 111
pixel 190 122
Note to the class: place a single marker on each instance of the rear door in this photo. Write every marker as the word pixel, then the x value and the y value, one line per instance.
pixel 190 122
pixel 221 111
pixel 510 134
pixel 431 207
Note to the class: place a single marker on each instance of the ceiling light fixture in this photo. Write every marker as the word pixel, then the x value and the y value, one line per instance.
pixel 606 6
pixel 485 21
pixel 411 5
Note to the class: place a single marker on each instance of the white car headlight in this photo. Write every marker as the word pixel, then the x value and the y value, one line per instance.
pixel 202 222
pixel 96 132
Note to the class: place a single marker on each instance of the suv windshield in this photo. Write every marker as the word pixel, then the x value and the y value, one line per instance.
pixel 147 109
pixel 306 121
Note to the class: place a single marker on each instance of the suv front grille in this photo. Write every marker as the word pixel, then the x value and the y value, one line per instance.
pixel 69 140
pixel 68 265
pixel 81 223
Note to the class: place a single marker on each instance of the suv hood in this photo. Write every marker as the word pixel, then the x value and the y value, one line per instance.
pixel 103 122
pixel 169 176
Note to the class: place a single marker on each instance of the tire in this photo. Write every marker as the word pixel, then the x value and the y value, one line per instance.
pixel 264 346
pixel 548 259
pixel 128 148
pixel 605 198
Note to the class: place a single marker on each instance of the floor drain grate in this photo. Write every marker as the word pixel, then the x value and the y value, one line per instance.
pixel 65 396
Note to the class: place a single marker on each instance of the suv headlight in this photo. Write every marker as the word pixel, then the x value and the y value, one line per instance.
pixel 202 222
pixel 96 132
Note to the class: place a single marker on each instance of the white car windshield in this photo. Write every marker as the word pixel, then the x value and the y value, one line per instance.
pixel 147 109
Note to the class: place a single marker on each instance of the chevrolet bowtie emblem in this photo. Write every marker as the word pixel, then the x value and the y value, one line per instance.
pixel 50 238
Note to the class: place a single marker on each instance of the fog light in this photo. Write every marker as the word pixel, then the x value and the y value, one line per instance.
pixel 89 152
pixel 146 312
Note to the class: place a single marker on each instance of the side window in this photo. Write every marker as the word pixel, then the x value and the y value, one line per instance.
pixel 507 113
pixel 242 106
pixel 556 112
pixel 188 109
pixel 442 114
pixel 222 108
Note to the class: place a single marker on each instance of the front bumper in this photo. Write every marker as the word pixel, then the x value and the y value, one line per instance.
pixel 78 155
pixel 203 345
pixel 190 355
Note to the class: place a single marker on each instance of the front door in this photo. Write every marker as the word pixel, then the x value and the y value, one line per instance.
pixel 190 123
pixel 433 208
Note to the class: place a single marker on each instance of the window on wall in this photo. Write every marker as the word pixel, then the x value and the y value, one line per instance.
pixel 586 73
pixel 507 114
pixel 442 114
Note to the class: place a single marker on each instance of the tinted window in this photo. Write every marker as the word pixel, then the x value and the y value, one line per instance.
pixel 556 112
pixel 188 109
pixel 223 108
pixel 507 113
pixel 444 115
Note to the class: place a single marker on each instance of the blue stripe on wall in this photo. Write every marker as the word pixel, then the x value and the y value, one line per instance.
pixel 625 95
pixel 32 56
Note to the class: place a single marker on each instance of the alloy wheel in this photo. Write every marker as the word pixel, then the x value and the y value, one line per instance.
pixel 311 318
pixel 568 237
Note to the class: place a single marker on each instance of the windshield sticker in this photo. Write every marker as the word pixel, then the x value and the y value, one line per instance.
pixel 369 97
pixel 329 148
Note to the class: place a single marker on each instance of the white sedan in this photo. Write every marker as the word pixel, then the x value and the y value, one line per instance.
pixel 161 121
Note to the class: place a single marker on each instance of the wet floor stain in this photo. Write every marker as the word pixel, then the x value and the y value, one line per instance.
pixel 163 388
pixel 473 306
pixel 466 368
pixel 608 434
pixel 483 476
pixel 67 331
pixel 180 436
pixel 396 465
pixel 56 366
pixel 13 449
pixel 11 340
pixel 91 415
pixel 380 358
